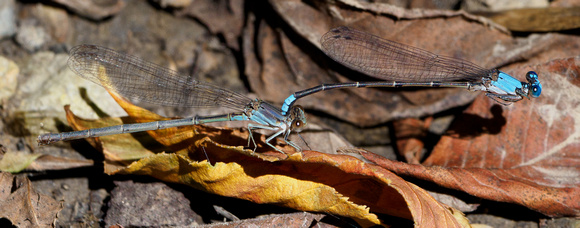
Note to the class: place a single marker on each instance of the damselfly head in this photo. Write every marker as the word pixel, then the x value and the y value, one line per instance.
pixel 296 114
pixel 535 85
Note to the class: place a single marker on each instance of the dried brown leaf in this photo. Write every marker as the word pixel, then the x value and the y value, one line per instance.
pixel 23 206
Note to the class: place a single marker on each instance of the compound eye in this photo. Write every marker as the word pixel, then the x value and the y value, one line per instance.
pixel 532 77
pixel 536 90
pixel 297 125
pixel 536 87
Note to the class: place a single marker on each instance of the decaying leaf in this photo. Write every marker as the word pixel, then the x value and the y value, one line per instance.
pixel 23 206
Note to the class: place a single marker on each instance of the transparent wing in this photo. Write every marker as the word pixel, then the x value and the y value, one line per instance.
pixel 140 80
pixel 392 61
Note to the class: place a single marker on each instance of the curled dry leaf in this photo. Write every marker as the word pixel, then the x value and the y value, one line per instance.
pixel 526 153
pixel 309 181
